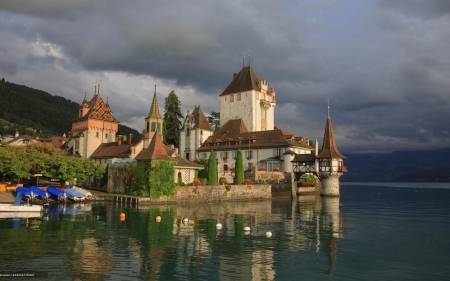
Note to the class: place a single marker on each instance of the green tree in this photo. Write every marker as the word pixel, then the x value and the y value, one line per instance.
pixel 239 168
pixel 172 119
pixel 212 170
pixel 214 120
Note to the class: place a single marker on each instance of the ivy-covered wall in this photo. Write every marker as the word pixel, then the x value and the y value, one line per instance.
pixel 160 179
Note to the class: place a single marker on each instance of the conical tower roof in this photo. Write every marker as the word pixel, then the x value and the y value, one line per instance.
pixel 329 147
pixel 154 109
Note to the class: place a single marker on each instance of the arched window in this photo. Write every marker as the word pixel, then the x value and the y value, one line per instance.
pixel 153 126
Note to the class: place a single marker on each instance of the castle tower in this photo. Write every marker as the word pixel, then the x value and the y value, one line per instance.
pixel 331 162
pixel 153 122
pixel 95 125
pixel 248 97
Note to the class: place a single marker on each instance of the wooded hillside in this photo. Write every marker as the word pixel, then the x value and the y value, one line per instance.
pixel 28 107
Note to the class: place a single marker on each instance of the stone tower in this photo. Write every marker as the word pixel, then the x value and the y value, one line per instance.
pixel 331 162
pixel 248 97
pixel 153 122
pixel 94 125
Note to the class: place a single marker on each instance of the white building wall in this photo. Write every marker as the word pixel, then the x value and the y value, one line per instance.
pixel 233 108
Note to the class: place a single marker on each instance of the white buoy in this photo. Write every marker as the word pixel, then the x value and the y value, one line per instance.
pixel 185 220
pixel 246 228
pixel 218 226
pixel 268 234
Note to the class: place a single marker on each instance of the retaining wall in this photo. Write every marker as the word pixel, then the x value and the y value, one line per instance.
pixel 215 193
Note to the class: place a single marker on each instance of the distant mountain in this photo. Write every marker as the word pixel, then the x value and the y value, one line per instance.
pixel 400 166
pixel 28 107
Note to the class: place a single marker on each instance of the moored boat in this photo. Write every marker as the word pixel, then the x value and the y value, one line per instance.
pixel 56 193
pixel 83 191
pixel 20 208
pixel 74 195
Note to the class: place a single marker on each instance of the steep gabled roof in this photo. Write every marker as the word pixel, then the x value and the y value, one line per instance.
pixel 98 110
pixel 155 151
pixel 200 120
pixel 245 80
pixel 329 147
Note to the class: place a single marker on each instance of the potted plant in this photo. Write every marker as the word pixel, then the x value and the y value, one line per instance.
pixel 223 181
pixel 276 170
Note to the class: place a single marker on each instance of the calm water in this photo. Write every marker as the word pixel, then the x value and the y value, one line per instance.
pixel 372 232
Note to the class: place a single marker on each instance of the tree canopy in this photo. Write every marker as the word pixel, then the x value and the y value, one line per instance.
pixel 20 162
pixel 214 120
pixel 172 119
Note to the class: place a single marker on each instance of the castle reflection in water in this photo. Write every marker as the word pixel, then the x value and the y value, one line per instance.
pixel 96 244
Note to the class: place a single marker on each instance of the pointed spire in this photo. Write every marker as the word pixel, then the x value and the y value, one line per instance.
pixel 154 109
pixel 329 147
pixel 328 108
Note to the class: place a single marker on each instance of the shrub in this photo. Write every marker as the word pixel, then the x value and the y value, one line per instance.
pixel 223 181
pixel 228 187
pixel 197 182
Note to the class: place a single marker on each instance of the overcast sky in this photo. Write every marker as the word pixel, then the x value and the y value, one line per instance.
pixel 384 65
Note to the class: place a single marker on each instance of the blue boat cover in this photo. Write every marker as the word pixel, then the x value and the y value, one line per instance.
pixel 37 191
pixel 73 192
pixel 52 190
pixel 18 199
pixel 25 191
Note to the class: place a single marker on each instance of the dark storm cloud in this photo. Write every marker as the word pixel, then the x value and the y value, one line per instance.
pixel 427 9
pixel 383 65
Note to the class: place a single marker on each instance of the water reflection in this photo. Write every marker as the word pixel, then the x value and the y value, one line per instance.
pixel 92 243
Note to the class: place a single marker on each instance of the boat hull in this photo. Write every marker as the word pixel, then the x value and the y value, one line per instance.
pixel 24 208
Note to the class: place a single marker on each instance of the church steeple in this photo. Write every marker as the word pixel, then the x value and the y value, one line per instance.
pixel 153 121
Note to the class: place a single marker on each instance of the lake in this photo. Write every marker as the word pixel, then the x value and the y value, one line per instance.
pixel 373 231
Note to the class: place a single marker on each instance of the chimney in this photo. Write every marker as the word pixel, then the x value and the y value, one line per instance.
pixel 119 139
pixel 16 134
pixel 234 75
pixel 130 138
pixel 171 146
pixel 176 150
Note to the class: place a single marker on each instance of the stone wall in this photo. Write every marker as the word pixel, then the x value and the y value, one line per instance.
pixel 221 193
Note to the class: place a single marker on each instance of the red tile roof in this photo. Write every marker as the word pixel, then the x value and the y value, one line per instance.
pixel 236 130
pixel 155 151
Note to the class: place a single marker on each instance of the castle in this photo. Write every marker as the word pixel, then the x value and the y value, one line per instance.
pixel 247 107
pixel 247 121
